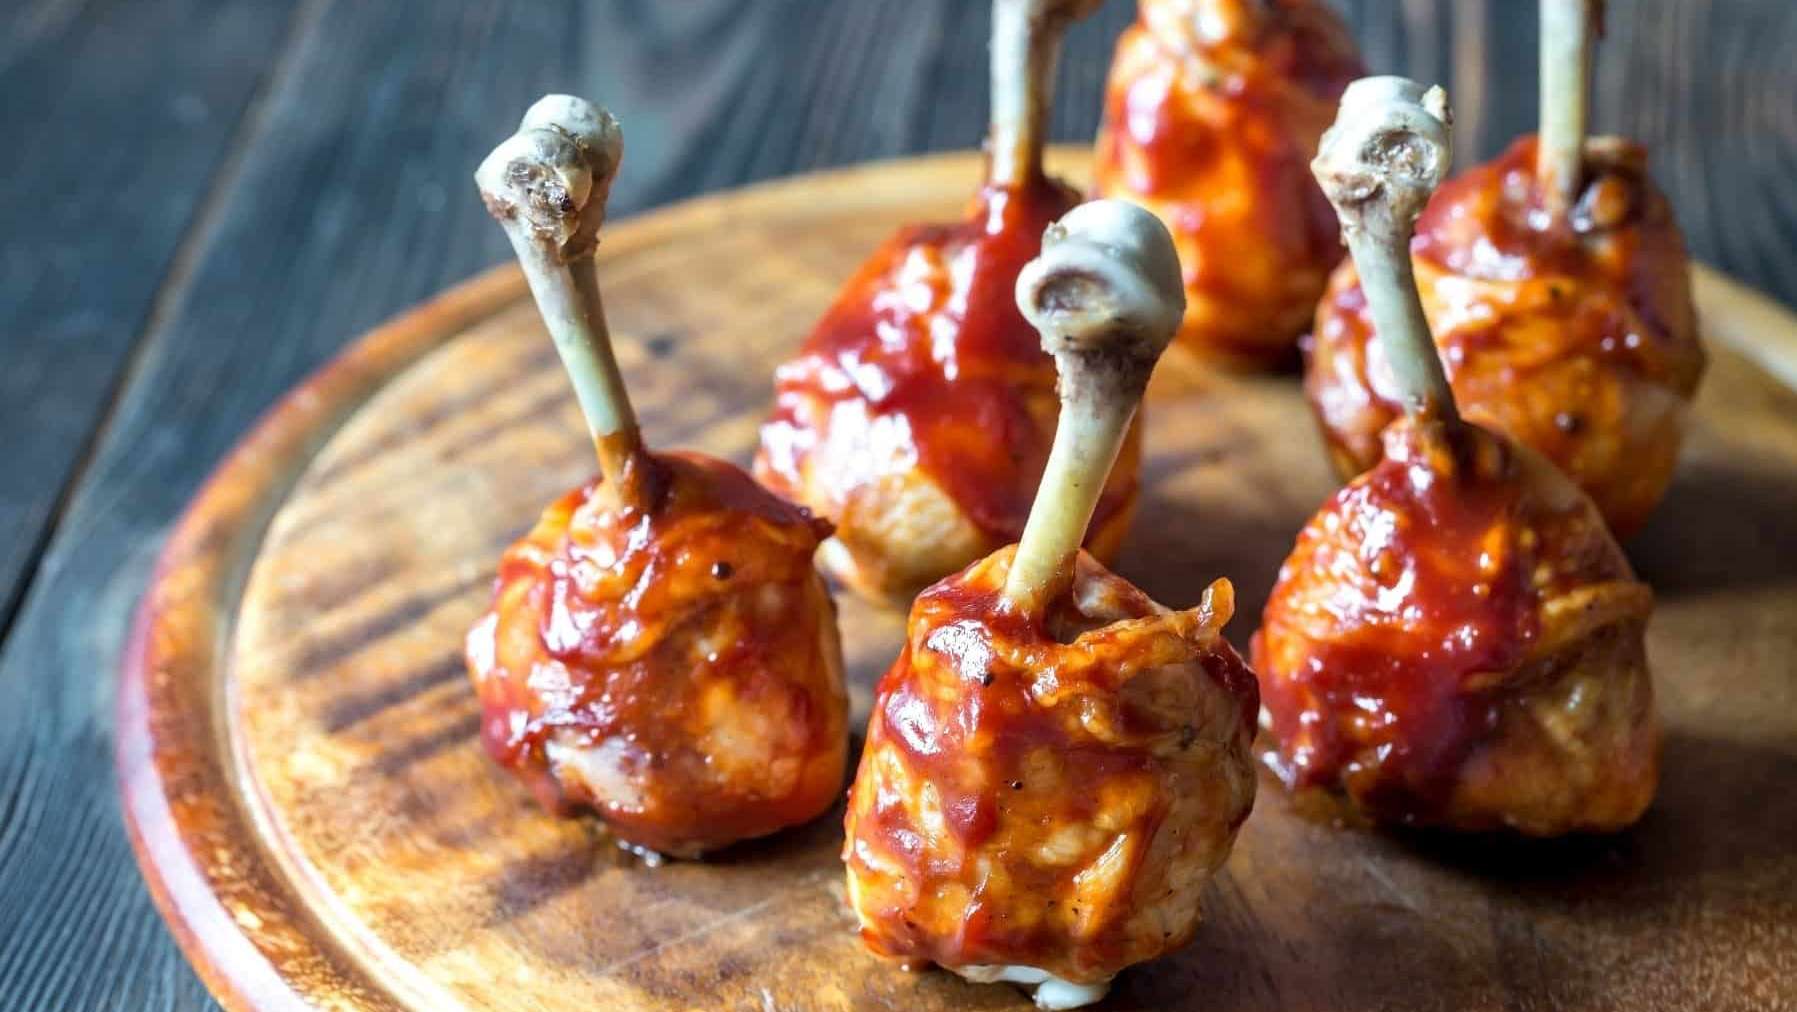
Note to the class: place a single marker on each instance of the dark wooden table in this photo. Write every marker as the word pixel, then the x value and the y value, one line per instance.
pixel 204 200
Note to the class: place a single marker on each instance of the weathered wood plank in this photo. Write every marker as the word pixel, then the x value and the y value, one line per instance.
pixel 116 116
pixel 720 94
pixel 350 201
pixel 1709 88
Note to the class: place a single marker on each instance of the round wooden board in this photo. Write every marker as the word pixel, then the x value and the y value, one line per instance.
pixel 308 800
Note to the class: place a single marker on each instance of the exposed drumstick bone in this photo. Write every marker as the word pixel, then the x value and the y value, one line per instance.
pixel 547 185
pixel 1106 296
pixel 1568 30
pixel 1026 48
pixel 1387 151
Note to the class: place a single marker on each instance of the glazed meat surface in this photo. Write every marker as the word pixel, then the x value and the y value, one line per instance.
pixel 919 414
pixel 677 671
pixel 1577 341
pixel 1456 641
pixel 1212 114
pixel 1049 795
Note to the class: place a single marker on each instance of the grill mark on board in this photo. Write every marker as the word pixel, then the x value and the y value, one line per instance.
pixel 349 710
pixel 533 411
pixel 405 753
pixel 543 405
pixel 535 881
pixel 342 584
pixel 317 656
pixel 723 399
pixel 539 358
pixel 659 346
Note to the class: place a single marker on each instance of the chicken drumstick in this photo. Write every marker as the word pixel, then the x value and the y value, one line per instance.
pixel 659 648
pixel 919 413
pixel 1456 639
pixel 1055 764
pixel 1559 291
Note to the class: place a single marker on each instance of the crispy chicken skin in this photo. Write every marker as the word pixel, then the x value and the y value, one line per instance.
pixel 1581 343
pixel 919 413
pixel 1049 798
pixel 676 670
pixel 1212 114
pixel 1456 641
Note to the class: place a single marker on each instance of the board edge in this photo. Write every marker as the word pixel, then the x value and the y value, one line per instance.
pixel 170 749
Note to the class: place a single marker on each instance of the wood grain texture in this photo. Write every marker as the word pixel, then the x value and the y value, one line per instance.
pixel 109 172
pixel 342 201
pixel 368 198
pixel 116 152
pixel 356 832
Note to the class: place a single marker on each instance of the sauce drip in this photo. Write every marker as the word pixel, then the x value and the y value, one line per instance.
pixel 1018 735
pixel 647 636
pixel 1212 114
pixel 928 336
pixel 1491 224
pixel 1429 610
pixel 1573 335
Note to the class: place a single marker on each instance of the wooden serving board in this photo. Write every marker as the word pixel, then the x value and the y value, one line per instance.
pixel 297 738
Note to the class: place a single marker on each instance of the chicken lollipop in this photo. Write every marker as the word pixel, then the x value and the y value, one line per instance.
pixel 1557 285
pixel 1456 639
pixel 1056 764
pixel 660 648
pixel 1213 111
pixel 919 413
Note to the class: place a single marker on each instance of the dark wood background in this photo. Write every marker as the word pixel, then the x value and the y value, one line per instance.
pixel 203 200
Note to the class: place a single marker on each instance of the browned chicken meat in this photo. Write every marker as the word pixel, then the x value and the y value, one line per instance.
pixel 1056 764
pixel 674 669
pixel 1564 320
pixel 660 649
pixel 918 415
pixel 1213 111
pixel 1456 640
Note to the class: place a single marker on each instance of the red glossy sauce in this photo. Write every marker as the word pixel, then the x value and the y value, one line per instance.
pixel 1420 574
pixel 1492 221
pixel 621 625
pixel 963 710
pixel 1215 135
pixel 928 334
pixel 1491 224
pixel 1181 148
pixel 933 749
pixel 1182 142
pixel 1575 336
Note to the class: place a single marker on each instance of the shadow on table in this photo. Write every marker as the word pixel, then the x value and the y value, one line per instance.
pixel 1173 555
pixel 1723 524
pixel 1722 820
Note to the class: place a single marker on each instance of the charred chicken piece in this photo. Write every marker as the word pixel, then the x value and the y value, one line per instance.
pixel 1213 111
pixel 1055 764
pixel 1456 639
pixel 919 413
pixel 1557 284
pixel 660 649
